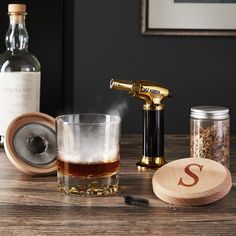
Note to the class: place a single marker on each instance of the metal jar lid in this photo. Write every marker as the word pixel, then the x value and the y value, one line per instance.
pixel 30 143
pixel 210 112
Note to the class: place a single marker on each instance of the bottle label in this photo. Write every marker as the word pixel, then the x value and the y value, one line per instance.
pixel 19 94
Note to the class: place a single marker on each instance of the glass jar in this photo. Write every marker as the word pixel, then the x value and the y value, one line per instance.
pixel 210 133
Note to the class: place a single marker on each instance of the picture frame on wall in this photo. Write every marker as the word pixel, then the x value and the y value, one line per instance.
pixel 189 17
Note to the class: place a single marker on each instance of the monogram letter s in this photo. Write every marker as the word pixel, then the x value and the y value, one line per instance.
pixel 191 174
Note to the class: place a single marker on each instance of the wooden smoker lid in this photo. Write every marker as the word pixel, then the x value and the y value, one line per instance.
pixel 192 182
pixel 30 143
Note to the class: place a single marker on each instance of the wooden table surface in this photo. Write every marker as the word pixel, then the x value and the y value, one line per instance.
pixel 33 206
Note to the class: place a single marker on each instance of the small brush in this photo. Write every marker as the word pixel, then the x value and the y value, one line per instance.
pixel 133 201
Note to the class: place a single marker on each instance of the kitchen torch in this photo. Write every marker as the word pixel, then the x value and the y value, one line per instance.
pixel 153 118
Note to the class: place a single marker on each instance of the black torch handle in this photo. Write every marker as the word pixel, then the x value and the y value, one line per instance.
pixel 153 133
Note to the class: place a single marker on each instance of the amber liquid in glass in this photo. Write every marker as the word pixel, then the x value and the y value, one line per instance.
pixel 88 179
pixel 88 170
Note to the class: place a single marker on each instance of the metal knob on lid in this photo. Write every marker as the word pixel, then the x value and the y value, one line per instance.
pixel 30 143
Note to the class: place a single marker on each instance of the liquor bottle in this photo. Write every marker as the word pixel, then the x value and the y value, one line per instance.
pixel 19 72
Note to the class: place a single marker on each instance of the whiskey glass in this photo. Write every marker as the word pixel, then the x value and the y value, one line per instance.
pixel 88 157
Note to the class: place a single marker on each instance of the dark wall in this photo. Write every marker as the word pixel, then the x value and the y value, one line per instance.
pixel 81 44
pixel 108 43
pixel 45 27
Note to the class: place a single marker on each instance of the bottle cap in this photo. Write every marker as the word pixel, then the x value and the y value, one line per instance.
pixel 210 112
pixel 192 182
pixel 17 8
pixel 30 143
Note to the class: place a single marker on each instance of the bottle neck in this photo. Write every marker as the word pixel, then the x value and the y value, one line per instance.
pixel 17 36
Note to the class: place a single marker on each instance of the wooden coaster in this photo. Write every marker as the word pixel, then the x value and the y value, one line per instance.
pixel 191 182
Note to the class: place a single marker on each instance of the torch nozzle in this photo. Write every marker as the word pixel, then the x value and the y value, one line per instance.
pixel 121 85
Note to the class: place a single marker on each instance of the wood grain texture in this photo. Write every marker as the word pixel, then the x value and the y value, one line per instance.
pixel 33 206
